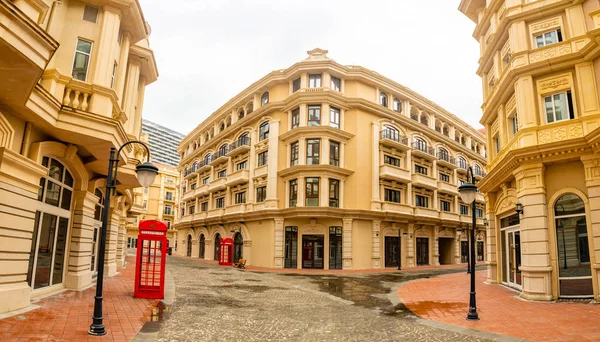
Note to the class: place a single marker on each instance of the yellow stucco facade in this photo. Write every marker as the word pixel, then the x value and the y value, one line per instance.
pixel 323 165
pixel 72 79
pixel 159 201
pixel 540 67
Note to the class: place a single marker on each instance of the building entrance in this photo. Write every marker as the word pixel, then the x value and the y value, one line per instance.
pixel 422 251
pixel 511 251
pixel 446 247
pixel 312 251
pixel 392 253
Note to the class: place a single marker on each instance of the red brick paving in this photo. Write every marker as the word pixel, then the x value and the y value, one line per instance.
pixel 67 316
pixel 446 299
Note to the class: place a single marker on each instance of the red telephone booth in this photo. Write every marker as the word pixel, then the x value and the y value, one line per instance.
pixel 226 256
pixel 150 260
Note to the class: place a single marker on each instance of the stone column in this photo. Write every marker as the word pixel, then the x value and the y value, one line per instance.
pixel 457 247
pixel 121 242
pixel 376 251
pixel 410 253
pixel 112 232
pixel 375 198
pixel 19 183
pixel 347 244
pixel 491 242
pixel 436 246
pixel 535 253
pixel 592 180
pixel 79 272
pixel 271 200
pixel 106 46
pixel 130 94
pixel 279 243
pixel 301 192
pixel 251 166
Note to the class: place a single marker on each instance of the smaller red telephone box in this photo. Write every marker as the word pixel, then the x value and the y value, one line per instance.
pixel 226 251
pixel 150 260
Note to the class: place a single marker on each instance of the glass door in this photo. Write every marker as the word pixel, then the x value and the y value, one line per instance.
pixel 48 248
pixel 422 251
pixel 291 247
pixel 512 254
pixel 391 251
pixel 312 251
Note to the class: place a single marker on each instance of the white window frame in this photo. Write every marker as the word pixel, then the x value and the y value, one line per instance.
pixel 556 31
pixel 567 113
pixel 89 55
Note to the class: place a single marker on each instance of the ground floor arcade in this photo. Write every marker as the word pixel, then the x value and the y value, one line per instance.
pixel 328 243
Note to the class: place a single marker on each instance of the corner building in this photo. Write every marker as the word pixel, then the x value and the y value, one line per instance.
pixel 324 166
pixel 540 68
pixel 72 80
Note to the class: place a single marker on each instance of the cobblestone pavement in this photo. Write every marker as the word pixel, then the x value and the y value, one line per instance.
pixel 215 303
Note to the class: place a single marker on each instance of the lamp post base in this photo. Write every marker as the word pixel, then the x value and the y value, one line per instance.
pixel 472 315
pixel 97 330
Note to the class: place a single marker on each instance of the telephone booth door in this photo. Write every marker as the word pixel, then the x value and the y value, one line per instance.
pixel 226 257
pixel 150 260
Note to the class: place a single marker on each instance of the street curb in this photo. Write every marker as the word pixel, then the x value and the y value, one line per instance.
pixel 394 298
pixel 150 329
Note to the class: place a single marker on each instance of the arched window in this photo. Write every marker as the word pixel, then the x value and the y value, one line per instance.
pixel 443 154
pixel 228 122
pixel 238 247
pixel 202 246
pixel 462 163
pixel 424 120
pixel 263 131
pixel 189 246
pixel 390 132
pixel 48 244
pixel 397 106
pixel 98 216
pixel 414 113
pixel 574 272
pixel 243 139
pixel 446 131
pixel 477 169
pixel 207 137
pixel 463 140
pixel 195 166
pixel 264 98
pixel 195 146
pixel 222 127
pixel 250 108
pixel 99 205
pixel 241 114
pixel 207 159
pixel 383 100
pixel 217 246
pixel 223 150
pixel 420 144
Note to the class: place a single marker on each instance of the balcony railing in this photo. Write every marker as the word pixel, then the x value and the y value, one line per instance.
pixel 394 136
pixel 423 148
pixel 240 142
pixel 445 157
pixel 479 172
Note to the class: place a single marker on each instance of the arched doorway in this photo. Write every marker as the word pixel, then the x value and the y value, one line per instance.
pixel 217 246
pixel 238 247
pixel 189 246
pixel 49 240
pixel 202 247
pixel 574 269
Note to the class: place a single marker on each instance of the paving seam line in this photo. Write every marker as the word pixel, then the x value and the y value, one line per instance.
pixel 395 299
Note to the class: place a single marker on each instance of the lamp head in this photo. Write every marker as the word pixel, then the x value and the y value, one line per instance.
pixel 519 208
pixel 485 221
pixel 146 173
pixel 467 192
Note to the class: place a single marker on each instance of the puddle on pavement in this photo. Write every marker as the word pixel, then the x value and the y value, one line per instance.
pixel 251 288
pixel 159 313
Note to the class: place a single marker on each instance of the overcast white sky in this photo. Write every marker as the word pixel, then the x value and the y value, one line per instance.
pixel 208 51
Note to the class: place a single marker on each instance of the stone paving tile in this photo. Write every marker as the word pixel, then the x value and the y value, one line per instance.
pixel 67 316
pixel 215 303
pixel 446 299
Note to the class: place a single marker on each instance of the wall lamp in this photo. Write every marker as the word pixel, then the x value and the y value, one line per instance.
pixel 485 222
pixel 519 208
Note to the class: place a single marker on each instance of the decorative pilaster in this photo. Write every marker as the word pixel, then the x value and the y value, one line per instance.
pixel 490 236
pixel 347 243
pixel 436 246
pixel 271 200
pixel 279 243
pixel 376 251
pixel 375 198
pixel 535 253
pixel 592 180
pixel 410 250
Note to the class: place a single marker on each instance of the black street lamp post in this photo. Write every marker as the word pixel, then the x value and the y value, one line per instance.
pixel 146 173
pixel 468 191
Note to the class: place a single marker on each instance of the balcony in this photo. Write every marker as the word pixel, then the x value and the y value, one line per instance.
pixel 216 212
pixel 260 171
pixel 428 212
pixel 447 188
pixel 204 166
pixel 187 195
pixel 236 208
pixel 238 177
pixel 239 147
pixel 218 158
pixel 461 169
pixel 423 181
pixel 396 207
pixel 217 184
pixel 478 173
pixel 394 173
pixel 420 150
pixel 444 159
pixel 448 216
pixel 202 189
pixel 392 139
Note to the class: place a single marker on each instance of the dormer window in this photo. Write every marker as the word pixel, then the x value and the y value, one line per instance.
pixel 397 106
pixel 314 81
pixel 548 38
pixel 264 99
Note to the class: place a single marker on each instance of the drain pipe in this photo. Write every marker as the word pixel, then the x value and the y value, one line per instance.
pixel 51 15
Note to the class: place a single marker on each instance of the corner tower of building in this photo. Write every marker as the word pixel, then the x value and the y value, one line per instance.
pixel 540 67
pixel 325 166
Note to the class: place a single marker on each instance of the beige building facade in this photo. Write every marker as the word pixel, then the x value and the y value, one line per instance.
pixel 324 166
pixel 540 67
pixel 72 80
pixel 159 201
